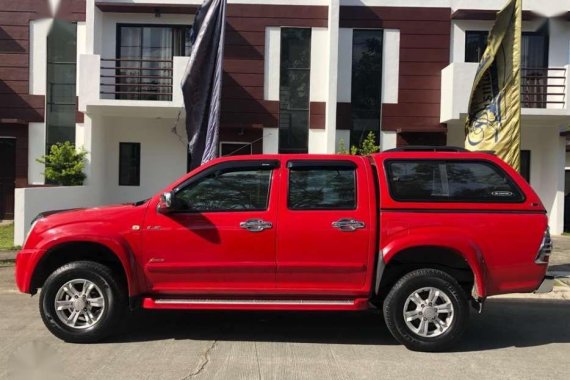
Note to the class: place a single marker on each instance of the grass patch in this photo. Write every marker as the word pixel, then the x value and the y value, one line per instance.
pixel 7 237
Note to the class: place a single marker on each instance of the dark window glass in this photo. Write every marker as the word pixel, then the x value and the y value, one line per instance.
pixel 61 77
pixel 525 164
pixel 450 181
pixel 534 71
pixel 327 188
pixel 475 44
pixel 366 84
pixel 235 149
pixel 295 75
pixel 231 190
pixel 129 164
pixel 145 65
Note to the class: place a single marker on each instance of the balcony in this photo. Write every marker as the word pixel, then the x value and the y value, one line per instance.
pixel 141 87
pixel 544 93
pixel 140 79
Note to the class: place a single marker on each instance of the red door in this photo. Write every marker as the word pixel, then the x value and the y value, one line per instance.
pixel 326 230
pixel 7 177
pixel 221 238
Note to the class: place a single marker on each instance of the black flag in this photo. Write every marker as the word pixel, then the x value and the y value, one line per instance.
pixel 202 84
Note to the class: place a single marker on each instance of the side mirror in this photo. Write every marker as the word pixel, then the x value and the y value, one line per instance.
pixel 165 205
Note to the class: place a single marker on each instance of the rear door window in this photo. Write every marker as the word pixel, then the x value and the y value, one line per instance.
pixel 326 186
pixel 450 181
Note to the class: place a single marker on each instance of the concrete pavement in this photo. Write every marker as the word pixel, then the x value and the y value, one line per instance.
pixel 513 339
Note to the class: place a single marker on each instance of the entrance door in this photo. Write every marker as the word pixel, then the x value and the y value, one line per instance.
pixel 7 177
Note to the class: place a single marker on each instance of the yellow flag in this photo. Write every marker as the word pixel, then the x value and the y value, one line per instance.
pixel 494 114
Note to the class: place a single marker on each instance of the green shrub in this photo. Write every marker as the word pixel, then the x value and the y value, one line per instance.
pixel 367 147
pixel 64 164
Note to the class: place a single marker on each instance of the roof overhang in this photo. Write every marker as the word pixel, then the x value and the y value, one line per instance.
pixel 487 14
pixel 156 8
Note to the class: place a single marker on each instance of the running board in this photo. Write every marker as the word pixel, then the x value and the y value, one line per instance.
pixel 255 304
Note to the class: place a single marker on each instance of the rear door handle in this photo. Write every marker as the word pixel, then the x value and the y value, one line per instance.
pixel 348 225
pixel 255 225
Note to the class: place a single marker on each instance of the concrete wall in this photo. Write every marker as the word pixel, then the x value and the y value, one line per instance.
pixel 163 156
pixel 29 202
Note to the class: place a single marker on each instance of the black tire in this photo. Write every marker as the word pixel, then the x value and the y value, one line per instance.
pixel 396 301
pixel 113 293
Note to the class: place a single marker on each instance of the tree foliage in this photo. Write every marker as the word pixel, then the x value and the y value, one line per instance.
pixel 367 147
pixel 64 164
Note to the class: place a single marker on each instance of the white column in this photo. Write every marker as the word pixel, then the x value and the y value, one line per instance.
pixel 39 30
pixel 270 140
pixel 36 149
pixel 272 63
pixel 317 140
pixel 344 85
pixel 390 66
pixel 332 74
pixel 388 140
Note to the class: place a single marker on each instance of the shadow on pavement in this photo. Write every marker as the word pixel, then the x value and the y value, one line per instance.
pixel 504 323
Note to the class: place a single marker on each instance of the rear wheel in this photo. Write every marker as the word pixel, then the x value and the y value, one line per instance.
pixel 81 302
pixel 426 310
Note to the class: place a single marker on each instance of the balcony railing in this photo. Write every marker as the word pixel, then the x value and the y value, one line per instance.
pixel 543 87
pixel 136 79
pixel 544 91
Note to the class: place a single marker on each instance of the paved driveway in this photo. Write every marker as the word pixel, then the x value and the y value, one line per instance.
pixel 513 339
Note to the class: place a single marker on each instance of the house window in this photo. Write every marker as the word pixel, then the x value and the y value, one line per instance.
pixel 295 75
pixel 366 84
pixel 145 54
pixel 475 44
pixel 534 47
pixel 534 63
pixel 525 164
pixel 129 164
pixel 61 95
pixel 235 148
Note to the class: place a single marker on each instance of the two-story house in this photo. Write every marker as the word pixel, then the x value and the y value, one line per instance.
pixel 299 76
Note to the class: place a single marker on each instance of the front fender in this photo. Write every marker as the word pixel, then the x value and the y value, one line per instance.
pixel 98 233
pixel 450 240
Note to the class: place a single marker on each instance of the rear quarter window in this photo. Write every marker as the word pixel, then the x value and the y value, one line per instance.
pixel 450 181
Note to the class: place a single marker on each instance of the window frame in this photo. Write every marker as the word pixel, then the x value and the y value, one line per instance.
pixel 498 169
pixel 118 32
pixel 316 165
pixel 138 164
pixel 270 165
pixel 374 110
pixel 285 124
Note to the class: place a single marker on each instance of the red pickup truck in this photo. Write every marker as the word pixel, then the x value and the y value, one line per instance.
pixel 417 234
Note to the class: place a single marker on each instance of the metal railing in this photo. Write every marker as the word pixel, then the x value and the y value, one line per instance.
pixel 137 79
pixel 543 87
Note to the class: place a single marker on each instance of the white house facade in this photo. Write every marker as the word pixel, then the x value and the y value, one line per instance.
pixel 299 76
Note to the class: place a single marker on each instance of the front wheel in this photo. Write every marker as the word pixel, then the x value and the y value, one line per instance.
pixel 81 302
pixel 426 310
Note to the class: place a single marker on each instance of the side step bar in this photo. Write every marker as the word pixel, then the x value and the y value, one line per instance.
pixel 255 304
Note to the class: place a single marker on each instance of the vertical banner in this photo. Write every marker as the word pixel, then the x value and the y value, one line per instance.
pixel 202 84
pixel 494 113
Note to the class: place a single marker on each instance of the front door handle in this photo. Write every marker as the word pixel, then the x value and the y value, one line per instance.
pixel 348 225
pixel 255 225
